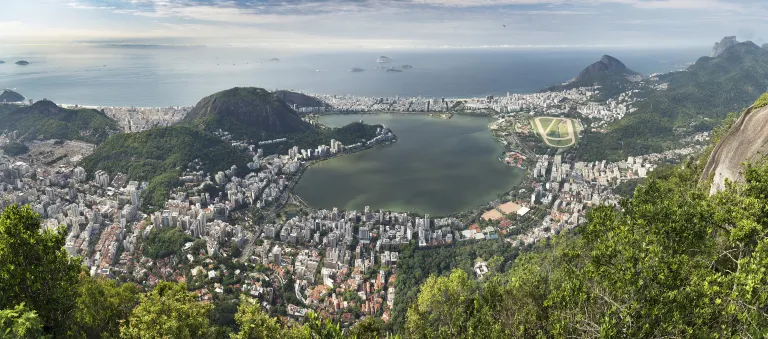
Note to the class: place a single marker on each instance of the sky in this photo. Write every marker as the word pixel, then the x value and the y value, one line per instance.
pixel 340 24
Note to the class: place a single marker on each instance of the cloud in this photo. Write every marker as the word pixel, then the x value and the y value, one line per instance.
pixel 398 22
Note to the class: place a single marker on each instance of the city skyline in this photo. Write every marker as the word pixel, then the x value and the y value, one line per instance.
pixel 343 24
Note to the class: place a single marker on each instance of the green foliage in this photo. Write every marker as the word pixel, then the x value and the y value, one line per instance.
pixel 255 324
pixel 627 188
pixel 15 148
pixel 169 311
pixel 695 101
pixel 368 328
pixel 672 262
pixel 162 243
pixel 20 323
pixel 246 113
pixel 414 266
pixel 102 305
pixel 157 155
pixel 762 101
pixel 35 269
pixel 46 120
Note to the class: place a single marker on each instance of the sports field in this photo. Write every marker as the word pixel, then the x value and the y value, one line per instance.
pixel 556 132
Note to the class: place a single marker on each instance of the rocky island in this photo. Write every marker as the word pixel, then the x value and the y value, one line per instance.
pixel 274 59
pixel 394 69
pixel 383 60
pixel 356 70
pixel 22 62
pixel 406 67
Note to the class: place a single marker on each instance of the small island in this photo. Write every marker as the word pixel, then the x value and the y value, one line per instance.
pixel 356 69
pixel 383 60
pixel 22 62
pixel 274 59
pixel 394 69
pixel 406 67
pixel 2 62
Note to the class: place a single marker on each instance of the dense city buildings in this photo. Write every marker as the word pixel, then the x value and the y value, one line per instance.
pixel 340 264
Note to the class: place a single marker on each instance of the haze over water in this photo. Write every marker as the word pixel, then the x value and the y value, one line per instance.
pixel 437 166
pixel 180 76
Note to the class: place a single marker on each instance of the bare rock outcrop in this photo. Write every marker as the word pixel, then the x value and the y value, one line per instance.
pixel 746 141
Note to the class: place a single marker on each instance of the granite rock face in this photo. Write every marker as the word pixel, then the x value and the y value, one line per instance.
pixel 746 141
pixel 723 45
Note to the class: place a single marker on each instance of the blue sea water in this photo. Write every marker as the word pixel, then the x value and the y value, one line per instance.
pixel 176 76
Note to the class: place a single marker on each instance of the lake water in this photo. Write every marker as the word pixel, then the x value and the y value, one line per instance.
pixel 159 76
pixel 437 166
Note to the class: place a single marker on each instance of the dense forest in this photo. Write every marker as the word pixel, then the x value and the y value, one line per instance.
pixel 45 120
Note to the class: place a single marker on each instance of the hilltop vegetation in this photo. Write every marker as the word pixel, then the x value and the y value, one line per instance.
pixel 45 120
pixel 247 113
pixel 695 101
pixel 15 148
pixel 158 156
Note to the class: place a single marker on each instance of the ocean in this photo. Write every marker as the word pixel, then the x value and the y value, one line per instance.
pixel 157 76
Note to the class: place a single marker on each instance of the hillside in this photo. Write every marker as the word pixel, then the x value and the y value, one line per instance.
pixel 609 73
pixel 158 155
pixel 696 100
pixel 10 96
pixel 745 141
pixel 299 99
pixel 45 120
pixel 246 112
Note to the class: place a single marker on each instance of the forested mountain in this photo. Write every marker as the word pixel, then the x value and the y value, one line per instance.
pixel 45 120
pixel 609 73
pixel 158 156
pixel 696 100
pixel 247 113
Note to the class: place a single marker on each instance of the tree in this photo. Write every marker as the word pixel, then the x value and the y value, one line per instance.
pixel 20 323
pixel 443 308
pixel 169 311
pixel 35 269
pixel 255 324
pixel 368 328
pixel 102 305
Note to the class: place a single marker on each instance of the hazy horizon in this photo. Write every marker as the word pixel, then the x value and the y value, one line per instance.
pixel 397 24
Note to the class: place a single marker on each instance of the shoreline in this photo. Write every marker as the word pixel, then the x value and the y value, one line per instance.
pixel 475 210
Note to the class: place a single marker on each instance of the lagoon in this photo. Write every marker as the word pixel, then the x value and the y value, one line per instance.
pixel 437 166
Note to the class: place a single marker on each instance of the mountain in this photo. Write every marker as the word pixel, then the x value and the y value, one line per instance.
pixel 723 45
pixel 157 155
pixel 609 73
pixel 10 96
pixel 45 120
pixel 695 100
pixel 299 99
pixel 246 112
pixel 745 141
